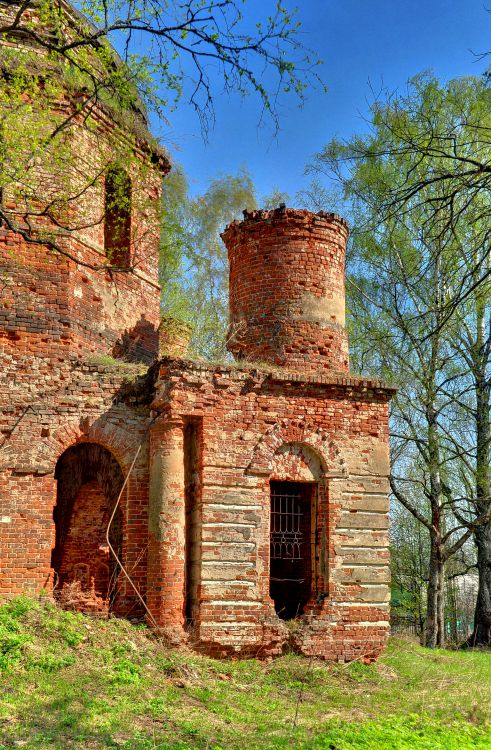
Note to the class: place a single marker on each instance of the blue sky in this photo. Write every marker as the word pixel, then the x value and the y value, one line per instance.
pixel 365 44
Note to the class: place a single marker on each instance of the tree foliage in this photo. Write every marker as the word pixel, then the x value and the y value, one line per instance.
pixel 415 188
pixel 442 134
pixel 168 47
pixel 59 71
pixel 193 263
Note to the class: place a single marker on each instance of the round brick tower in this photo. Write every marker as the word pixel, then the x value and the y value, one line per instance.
pixel 287 296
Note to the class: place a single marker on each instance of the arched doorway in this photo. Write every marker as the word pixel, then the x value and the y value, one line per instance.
pixel 89 480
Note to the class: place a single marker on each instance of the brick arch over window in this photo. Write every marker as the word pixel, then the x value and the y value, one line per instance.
pixel 118 441
pixel 297 432
pixel 297 462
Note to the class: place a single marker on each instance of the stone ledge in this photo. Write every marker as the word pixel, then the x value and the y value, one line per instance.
pixel 276 375
pixel 319 379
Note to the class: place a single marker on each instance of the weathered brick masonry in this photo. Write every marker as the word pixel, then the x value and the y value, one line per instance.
pixel 255 426
pixel 256 430
pixel 287 289
pixel 59 314
pixel 253 497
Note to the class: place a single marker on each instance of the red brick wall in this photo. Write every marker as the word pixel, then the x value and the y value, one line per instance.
pixel 258 426
pixel 89 481
pixel 58 314
pixel 52 306
pixel 85 554
pixel 45 412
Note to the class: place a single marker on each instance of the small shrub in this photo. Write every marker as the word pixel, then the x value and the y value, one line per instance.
pixel 167 666
pixel 11 647
pixel 126 672
pixel 12 636
pixel 50 662
pixel 120 649
pixel 16 609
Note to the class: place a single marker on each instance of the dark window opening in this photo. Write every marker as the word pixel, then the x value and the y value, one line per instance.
pixel 291 547
pixel 117 217
pixel 192 474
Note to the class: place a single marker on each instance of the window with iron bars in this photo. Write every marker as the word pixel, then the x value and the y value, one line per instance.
pixel 290 546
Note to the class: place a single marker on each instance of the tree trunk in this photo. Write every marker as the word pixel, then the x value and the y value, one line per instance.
pixel 452 600
pixel 435 625
pixel 441 606
pixel 482 615
pixel 482 535
pixel 434 633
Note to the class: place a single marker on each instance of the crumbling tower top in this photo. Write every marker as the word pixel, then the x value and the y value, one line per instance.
pixel 287 290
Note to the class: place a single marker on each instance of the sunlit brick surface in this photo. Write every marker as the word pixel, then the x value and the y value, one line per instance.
pixel 287 289
pixel 185 452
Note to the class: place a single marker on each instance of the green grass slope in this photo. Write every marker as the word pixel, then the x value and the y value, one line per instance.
pixel 68 681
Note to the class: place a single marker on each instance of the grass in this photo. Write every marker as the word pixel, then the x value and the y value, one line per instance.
pixel 68 681
pixel 106 360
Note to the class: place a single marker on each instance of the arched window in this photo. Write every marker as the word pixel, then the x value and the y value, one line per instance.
pixel 117 217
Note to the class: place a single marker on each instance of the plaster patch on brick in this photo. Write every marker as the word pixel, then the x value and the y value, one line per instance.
pixel 322 310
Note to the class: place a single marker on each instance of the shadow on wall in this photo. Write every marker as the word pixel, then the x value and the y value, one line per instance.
pixel 89 480
pixel 139 344
pixel 89 475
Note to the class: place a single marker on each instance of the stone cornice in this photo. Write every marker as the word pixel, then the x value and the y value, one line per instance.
pixel 277 375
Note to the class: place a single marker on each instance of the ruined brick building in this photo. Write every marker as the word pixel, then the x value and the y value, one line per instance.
pixel 242 495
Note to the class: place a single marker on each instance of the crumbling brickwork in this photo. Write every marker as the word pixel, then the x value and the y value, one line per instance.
pixel 54 305
pixel 258 426
pixel 66 308
pixel 251 499
pixel 43 419
pixel 89 480
pixel 287 289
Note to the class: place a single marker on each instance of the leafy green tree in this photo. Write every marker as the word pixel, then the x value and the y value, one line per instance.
pixel 193 263
pixel 411 271
pixel 274 199
pixel 409 548
pixel 470 432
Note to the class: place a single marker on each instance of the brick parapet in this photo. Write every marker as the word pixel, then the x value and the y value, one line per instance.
pixel 170 367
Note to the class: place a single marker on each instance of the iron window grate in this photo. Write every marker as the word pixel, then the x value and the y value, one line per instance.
pixel 286 536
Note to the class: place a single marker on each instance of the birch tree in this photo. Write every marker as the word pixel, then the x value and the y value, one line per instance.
pixel 412 274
